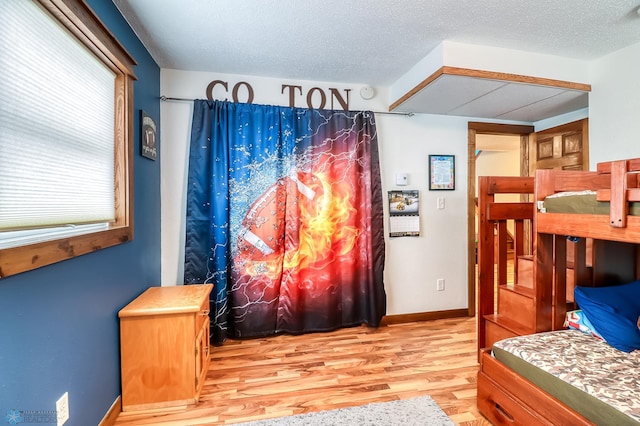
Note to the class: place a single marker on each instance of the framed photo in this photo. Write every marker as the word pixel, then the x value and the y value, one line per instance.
pixel 442 172
pixel 148 136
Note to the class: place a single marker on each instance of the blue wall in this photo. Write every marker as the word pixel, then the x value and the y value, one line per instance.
pixel 58 324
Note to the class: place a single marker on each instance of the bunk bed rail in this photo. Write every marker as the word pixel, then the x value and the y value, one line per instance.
pixel 614 235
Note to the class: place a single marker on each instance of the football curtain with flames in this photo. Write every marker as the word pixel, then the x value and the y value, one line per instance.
pixel 284 218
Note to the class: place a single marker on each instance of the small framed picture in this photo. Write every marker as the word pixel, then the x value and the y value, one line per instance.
pixel 442 172
pixel 148 136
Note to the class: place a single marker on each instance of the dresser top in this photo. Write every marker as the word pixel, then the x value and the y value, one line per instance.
pixel 168 300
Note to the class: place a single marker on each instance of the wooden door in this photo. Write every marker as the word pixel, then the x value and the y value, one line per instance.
pixel 564 147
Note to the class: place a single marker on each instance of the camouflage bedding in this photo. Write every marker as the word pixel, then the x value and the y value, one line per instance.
pixel 585 362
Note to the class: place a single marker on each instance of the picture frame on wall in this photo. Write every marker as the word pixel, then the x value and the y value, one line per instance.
pixel 442 172
pixel 148 136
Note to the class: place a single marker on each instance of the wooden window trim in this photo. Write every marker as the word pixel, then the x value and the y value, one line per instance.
pixel 82 22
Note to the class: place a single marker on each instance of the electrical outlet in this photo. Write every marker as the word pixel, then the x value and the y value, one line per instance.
pixel 62 409
pixel 440 284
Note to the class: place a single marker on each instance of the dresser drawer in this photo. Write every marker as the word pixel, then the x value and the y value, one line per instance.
pixel 501 408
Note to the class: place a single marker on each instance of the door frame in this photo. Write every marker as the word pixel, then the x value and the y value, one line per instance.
pixel 480 128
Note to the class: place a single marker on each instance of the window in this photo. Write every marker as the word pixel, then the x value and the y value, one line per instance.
pixel 66 124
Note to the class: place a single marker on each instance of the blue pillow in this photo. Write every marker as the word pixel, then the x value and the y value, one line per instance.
pixel 614 312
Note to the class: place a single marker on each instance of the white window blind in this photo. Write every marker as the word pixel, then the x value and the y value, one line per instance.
pixel 56 125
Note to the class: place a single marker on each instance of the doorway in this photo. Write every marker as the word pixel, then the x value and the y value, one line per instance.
pixel 563 147
pixel 521 132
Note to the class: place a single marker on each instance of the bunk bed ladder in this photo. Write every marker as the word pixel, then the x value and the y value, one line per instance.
pixel 505 308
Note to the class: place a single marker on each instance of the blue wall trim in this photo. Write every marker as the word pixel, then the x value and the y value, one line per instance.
pixel 58 324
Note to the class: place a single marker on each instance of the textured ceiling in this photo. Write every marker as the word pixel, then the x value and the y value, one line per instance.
pixel 366 41
pixel 370 42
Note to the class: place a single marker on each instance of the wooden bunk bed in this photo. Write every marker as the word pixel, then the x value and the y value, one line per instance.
pixel 505 396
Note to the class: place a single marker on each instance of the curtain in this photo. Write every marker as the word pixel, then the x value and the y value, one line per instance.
pixel 284 218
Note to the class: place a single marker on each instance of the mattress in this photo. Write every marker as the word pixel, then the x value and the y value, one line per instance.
pixel 582 202
pixel 582 371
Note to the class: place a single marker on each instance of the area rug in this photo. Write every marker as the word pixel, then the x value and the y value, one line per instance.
pixel 422 411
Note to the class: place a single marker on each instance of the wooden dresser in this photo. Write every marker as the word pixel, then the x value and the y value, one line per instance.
pixel 164 347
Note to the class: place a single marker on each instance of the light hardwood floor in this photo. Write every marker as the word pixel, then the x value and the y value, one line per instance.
pixel 284 375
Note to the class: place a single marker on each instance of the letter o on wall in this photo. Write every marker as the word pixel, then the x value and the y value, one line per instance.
pixel 237 87
pixel 323 97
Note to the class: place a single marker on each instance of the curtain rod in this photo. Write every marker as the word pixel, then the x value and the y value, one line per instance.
pixel 408 114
